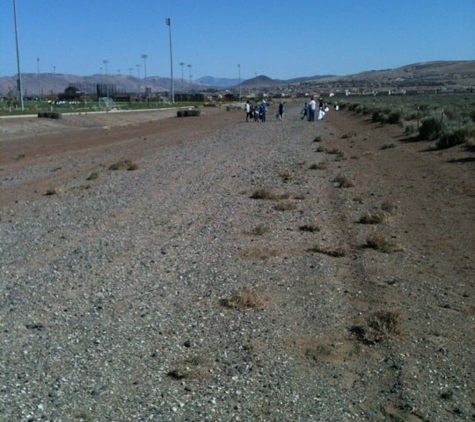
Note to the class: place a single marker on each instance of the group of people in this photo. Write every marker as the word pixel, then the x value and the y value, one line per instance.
pixel 258 112
pixel 309 110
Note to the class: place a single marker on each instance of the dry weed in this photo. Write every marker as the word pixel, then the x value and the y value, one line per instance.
pixel 54 191
pixel 309 228
pixel 380 243
pixel 285 206
pixel 318 166
pixel 328 250
pixel 369 218
pixel 124 165
pixel 343 181
pixel 243 299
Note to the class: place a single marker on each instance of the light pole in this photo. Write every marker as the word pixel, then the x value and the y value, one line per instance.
pixel 239 75
pixel 144 57
pixel 189 73
pixel 20 87
pixel 54 79
pixel 130 70
pixel 107 85
pixel 38 77
pixel 182 85
pixel 172 94
pixel 138 76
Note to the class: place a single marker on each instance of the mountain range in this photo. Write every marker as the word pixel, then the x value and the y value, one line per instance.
pixel 436 73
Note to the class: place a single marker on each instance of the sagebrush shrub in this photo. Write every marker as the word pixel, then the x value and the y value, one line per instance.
pixel 452 138
pixel 430 129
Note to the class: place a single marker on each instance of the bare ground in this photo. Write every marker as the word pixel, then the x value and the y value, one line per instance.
pixel 354 319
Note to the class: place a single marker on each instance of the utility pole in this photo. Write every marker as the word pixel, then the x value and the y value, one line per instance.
pixel 38 77
pixel 107 85
pixel 239 75
pixel 20 87
pixel 182 85
pixel 144 57
pixel 172 94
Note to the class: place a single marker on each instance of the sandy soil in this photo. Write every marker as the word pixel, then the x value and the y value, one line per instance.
pixel 422 275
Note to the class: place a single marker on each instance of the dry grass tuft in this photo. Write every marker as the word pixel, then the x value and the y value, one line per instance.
pixel 263 194
pixel 317 138
pixel 348 135
pixel 285 206
pixel 385 322
pixel 343 181
pixel 388 207
pixel 124 165
pixel 93 176
pixel 380 243
pixel 318 166
pixel 380 325
pixel 54 191
pixel 285 175
pixel 259 230
pixel 328 250
pixel 312 228
pixel 243 299
pixel 369 218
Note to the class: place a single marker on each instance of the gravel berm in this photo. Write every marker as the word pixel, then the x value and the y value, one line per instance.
pixel 184 284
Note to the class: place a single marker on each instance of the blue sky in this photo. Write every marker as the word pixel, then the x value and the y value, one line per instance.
pixel 281 39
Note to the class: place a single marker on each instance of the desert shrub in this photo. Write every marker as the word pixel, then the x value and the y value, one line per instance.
pixel 409 129
pixel 379 116
pixel 472 115
pixel 384 323
pixel 452 138
pixel 388 145
pixel 430 129
pixel 317 138
pixel 394 117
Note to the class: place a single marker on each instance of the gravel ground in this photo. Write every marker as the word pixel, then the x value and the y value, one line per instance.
pixel 170 293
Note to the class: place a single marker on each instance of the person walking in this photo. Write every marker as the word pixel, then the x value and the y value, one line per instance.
pixel 263 111
pixel 281 111
pixel 304 111
pixel 312 107
pixel 247 107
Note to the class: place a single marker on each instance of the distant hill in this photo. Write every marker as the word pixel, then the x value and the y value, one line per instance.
pixel 437 73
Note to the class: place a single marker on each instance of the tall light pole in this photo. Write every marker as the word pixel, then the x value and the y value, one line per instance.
pixel 19 87
pixel 182 85
pixel 138 76
pixel 130 70
pixel 38 77
pixel 239 75
pixel 54 80
pixel 144 57
pixel 107 85
pixel 172 94
pixel 189 73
